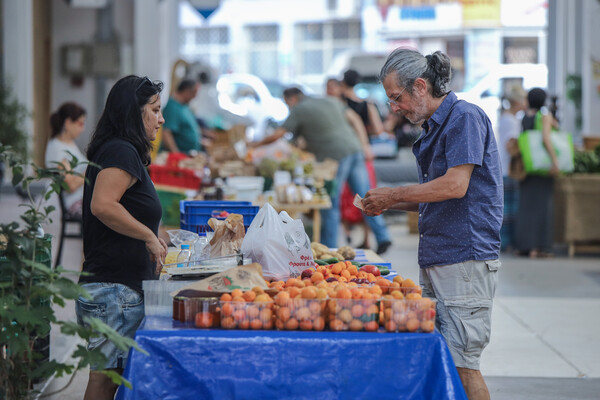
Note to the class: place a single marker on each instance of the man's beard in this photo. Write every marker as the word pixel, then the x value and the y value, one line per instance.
pixel 419 114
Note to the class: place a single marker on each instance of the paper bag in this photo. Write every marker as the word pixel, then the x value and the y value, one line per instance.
pixel 279 243
pixel 228 235
pixel 243 277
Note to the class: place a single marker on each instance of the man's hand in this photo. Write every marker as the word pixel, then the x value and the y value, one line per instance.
pixel 378 200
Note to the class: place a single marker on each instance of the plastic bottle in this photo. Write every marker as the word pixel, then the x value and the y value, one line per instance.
pixel 184 256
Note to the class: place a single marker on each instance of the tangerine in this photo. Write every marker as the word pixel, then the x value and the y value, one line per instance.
pixel 226 297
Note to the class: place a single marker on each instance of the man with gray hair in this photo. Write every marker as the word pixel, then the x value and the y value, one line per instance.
pixel 459 201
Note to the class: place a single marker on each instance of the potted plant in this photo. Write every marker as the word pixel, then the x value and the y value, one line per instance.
pixel 576 217
pixel 29 287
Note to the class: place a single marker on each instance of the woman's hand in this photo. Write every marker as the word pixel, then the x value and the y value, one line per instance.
pixel 157 248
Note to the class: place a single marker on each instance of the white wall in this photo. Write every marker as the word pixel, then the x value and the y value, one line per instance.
pixel 591 69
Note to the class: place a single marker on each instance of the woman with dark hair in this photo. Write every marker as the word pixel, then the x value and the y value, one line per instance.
pixel 368 111
pixel 121 215
pixel 66 124
pixel 534 234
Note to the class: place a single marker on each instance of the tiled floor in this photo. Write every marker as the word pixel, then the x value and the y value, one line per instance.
pixel 545 324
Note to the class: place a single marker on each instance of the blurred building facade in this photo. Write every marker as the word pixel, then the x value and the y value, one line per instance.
pixel 58 50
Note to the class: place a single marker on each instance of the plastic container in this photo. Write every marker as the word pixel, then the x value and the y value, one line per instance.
pixel 402 315
pixel 353 314
pixel 175 176
pixel 247 315
pixel 201 312
pixel 157 296
pixel 246 188
pixel 196 213
pixel 300 314
pixel 183 258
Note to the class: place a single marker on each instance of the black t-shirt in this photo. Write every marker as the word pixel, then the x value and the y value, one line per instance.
pixel 111 256
pixel 362 109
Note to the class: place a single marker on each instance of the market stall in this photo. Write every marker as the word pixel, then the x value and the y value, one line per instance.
pixel 244 364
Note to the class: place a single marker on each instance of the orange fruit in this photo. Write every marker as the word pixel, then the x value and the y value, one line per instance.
pixel 408 283
pixel 306 325
pixel 427 326
pixel 345 315
pixel 336 325
pixel 356 325
pixel 315 307
pixel 303 313
pixel 227 323
pixel 262 298
pixel 336 268
pixel 227 309
pixel 257 290
pixel 357 310
pixel 317 277
pixel 266 314
pixel 352 269
pixel 413 324
pixel 413 296
pixel 279 324
pixel 252 311
pixel 245 324
pixel 293 291
pixel 204 320
pixel 372 309
pixel 249 296
pixel 397 294
pixel 256 324
pixel 371 326
pixel 283 314
pixel 398 279
pixel 345 274
pixel 391 326
pixel 309 292
pixel 236 293
pixel 282 298
pixel 226 297
pixel 291 324
pixel 321 294
pixel 343 293
pixel 238 299
pixel 239 315
pixel 318 324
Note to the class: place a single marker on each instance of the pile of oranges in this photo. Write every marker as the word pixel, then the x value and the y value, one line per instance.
pixel 318 303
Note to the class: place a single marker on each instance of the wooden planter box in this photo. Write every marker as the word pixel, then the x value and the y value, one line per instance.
pixel 576 212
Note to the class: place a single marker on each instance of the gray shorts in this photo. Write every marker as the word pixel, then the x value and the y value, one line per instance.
pixel 118 306
pixel 464 294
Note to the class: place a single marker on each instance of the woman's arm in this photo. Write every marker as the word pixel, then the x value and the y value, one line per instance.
pixel 374 119
pixel 547 121
pixel 361 132
pixel 110 186
pixel 72 181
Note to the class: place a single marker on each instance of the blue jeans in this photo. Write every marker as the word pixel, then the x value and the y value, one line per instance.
pixel 118 306
pixel 351 169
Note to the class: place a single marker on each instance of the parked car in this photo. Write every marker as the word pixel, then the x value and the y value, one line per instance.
pixel 248 96
pixel 488 91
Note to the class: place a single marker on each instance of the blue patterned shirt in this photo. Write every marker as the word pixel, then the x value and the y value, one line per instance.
pixel 458 230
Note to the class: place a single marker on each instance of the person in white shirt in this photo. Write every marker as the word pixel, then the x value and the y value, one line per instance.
pixel 67 123
pixel 509 128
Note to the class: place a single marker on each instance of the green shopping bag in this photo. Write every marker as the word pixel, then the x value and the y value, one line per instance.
pixel 536 159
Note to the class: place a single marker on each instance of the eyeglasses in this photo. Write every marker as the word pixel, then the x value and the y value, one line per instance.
pixel 143 82
pixel 394 101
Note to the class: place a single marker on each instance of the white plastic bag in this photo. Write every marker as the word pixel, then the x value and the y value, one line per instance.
pixel 279 243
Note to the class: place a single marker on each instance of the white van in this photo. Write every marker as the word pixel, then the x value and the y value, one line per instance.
pixel 488 91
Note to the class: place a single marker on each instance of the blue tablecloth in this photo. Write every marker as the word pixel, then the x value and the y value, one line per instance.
pixel 241 364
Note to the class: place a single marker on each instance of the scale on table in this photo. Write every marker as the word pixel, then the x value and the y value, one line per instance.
pixel 204 268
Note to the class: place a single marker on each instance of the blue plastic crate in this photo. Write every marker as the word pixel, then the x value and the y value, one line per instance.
pixel 196 213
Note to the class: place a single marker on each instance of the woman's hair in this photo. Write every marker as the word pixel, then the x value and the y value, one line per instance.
pixel 536 98
pixel 409 65
pixel 68 110
pixel 351 78
pixel 122 115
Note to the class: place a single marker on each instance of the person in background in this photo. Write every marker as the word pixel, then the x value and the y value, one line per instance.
pixel 366 110
pixel 67 123
pixel 406 133
pixel 351 215
pixel 181 132
pixel 459 200
pixel 327 127
pixel 509 128
pixel 121 215
pixel 535 218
